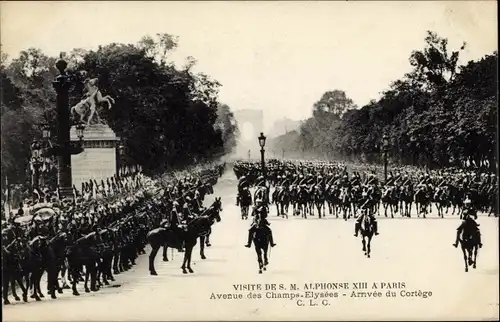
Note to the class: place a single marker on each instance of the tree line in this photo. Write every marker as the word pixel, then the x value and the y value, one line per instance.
pixel 438 115
pixel 167 116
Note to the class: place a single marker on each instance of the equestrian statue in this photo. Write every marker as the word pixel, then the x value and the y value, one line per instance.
pixel 92 98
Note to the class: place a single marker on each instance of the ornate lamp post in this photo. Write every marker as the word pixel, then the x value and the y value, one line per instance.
pixel 64 149
pixel 36 162
pixel 248 155
pixel 282 153
pixel 262 143
pixel 385 147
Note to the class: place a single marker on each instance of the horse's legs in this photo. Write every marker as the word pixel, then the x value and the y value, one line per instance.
pixel 36 283
pixel 154 251
pixel 259 258
pixel 93 276
pixel 13 287
pixel 189 250
pixel 184 261
pixel 266 261
pixel 364 243
pixel 368 246
pixel 202 247
pixel 165 253
pixel 19 279
pixel 73 272
pixel 6 277
pixel 23 287
pixel 465 258
pixel 207 240
pixel 475 256
pixel 87 275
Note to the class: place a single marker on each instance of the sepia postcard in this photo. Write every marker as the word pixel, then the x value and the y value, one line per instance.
pixel 249 160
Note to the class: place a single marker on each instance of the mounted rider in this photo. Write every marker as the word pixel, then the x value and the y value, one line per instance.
pixel 261 185
pixel 259 213
pixel 242 183
pixel 365 212
pixel 470 214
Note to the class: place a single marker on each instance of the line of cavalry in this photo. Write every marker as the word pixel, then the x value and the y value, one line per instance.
pixel 309 187
pixel 91 239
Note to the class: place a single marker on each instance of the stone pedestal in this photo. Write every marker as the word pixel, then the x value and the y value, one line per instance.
pixel 99 157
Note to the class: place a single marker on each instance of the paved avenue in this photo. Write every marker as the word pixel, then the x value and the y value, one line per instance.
pixel 317 260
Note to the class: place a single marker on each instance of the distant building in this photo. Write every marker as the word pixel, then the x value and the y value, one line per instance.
pixel 284 126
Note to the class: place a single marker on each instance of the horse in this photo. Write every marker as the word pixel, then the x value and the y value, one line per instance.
pixel 422 201
pixel 442 199
pixel 390 200
pixel 90 102
pixel 174 238
pixel 457 194
pixel 83 253
pixel 469 243
pixel 406 196
pixel 367 231
pixel 281 198
pixel 261 243
pixel 318 197
pixel 293 193
pixel 42 258
pixel 245 203
pixel 302 201
pixel 345 202
pixel 11 264
pixel 333 199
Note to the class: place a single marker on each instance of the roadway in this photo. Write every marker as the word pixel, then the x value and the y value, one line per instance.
pixel 416 252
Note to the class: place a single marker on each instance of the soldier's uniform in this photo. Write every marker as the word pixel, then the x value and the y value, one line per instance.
pixel 468 220
pixel 260 221
pixel 357 225
pixel 242 183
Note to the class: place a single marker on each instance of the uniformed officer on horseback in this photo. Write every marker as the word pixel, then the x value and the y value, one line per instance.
pixel 242 183
pixel 469 216
pixel 260 221
pixel 365 212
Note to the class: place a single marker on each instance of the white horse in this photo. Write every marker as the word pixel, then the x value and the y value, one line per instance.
pixel 90 102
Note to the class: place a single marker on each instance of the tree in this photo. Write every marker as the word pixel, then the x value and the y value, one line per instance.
pixel 434 65
pixel 334 102
pixel 439 115
pixel 228 126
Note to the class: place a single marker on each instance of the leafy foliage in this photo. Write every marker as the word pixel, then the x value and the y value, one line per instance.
pixel 438 115
pixel 166 116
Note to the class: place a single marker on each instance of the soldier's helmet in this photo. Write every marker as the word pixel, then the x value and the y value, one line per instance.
pixel 467 203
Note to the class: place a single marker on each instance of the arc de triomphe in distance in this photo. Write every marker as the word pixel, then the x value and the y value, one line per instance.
pixel 250 124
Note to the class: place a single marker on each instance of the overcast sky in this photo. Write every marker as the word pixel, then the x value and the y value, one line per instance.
pixel 276 56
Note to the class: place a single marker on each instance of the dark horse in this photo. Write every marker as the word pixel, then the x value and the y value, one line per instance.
pixel 469 243
pixel 281 198
pixel 367 231
pixel 261 243
pixel 245 203
pixel 11 271
pixel 174 237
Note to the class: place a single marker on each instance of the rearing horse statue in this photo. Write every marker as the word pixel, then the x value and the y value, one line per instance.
pixel 92 99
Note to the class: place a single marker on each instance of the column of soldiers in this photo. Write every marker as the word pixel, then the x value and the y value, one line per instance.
pixel 101 230
pixel 470 191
